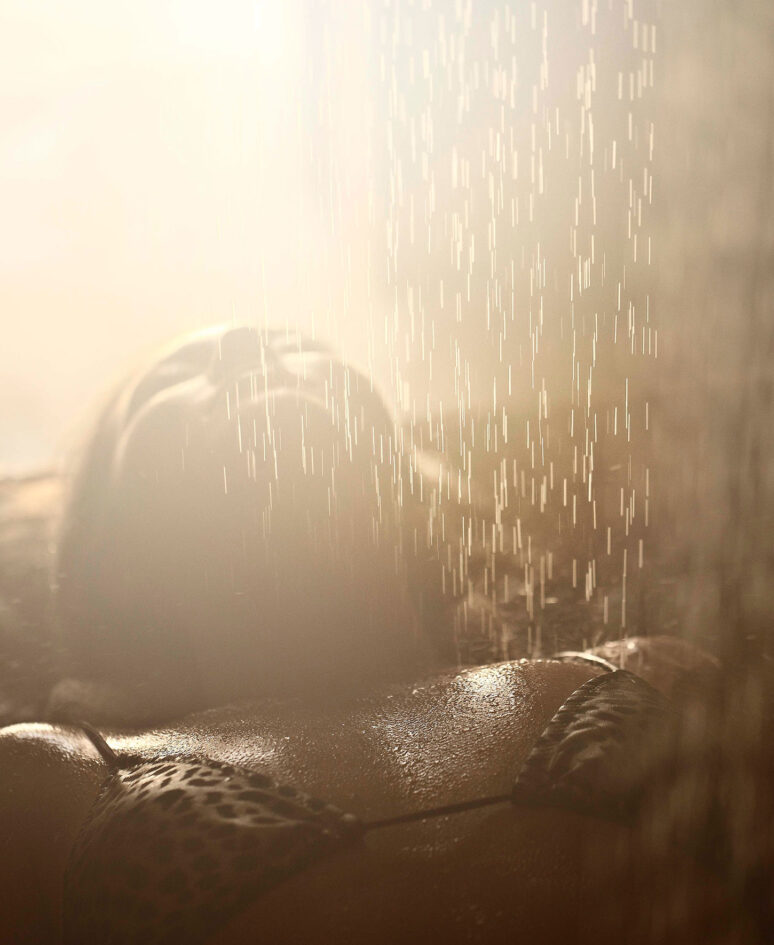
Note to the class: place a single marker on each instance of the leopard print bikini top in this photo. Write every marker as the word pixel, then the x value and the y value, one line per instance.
pixel 174 847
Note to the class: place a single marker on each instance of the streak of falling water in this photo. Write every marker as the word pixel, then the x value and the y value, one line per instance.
pixel 518 318
pixel 513 261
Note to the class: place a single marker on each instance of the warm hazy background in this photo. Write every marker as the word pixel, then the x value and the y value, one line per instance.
pixel 166 165
pixel 157 165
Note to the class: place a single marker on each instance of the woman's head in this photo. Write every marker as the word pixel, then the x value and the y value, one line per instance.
pixel 234 525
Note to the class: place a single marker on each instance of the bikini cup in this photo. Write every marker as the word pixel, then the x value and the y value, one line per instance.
pixel 174 847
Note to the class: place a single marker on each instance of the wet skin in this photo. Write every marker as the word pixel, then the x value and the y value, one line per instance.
pixel 480 876
pixel 398 750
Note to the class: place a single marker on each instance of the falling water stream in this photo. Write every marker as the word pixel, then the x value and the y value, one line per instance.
pixel 520 317
pixel 570 297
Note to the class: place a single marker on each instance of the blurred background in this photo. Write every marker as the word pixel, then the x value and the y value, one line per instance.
pixel 544 228
pixel 413 182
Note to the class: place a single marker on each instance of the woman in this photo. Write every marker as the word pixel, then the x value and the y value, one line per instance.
pixel 234 531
